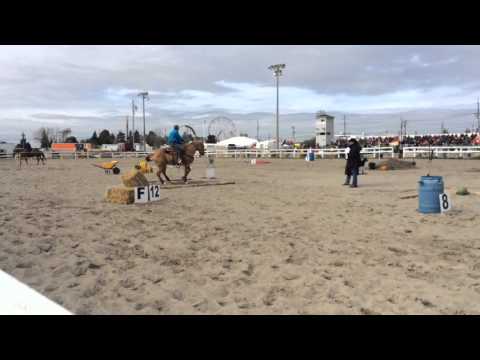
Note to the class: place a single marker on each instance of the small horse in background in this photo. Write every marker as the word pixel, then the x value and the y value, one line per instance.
pixel 168 156
pixel 35 153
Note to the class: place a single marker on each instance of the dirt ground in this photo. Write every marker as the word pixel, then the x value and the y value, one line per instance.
pixel 287 238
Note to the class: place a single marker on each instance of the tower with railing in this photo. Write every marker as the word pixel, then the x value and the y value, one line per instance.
pixel 324 129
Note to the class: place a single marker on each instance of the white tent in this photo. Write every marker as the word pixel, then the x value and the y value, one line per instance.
pixel 266 144
pixel 238 141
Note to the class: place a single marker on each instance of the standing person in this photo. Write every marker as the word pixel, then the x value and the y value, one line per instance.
pixel 353 162
pixel 176 142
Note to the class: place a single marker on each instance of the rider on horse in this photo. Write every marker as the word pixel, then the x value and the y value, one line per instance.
pixel 176 142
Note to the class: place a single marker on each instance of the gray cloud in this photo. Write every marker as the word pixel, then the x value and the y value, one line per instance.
pixel 71 84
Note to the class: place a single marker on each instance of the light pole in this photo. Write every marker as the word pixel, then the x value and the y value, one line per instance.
pixel 144 96
pixel 277 71
pixel 134 107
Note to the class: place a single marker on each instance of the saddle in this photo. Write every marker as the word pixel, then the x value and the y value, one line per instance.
pixel 174 153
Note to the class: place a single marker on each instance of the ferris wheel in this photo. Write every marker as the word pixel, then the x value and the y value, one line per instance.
pixel 187 129
pixel 222 128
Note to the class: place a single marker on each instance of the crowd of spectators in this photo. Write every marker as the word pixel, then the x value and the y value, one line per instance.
pixel 421 140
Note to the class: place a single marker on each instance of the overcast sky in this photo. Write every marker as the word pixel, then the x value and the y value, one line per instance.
pixel 89 88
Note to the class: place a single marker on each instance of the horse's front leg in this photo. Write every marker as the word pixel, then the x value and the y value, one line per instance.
pixel 159 175
pixel 164 172
pixel 187 171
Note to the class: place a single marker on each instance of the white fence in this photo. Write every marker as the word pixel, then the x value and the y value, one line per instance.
pixel 96 155
pixel 445 152
pixel 373 152
pixel 338 153
pixel 85 155
pixel 224 153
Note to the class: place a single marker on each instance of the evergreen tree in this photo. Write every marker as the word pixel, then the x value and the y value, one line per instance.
pixel 71 139
pixel 104 137
pixel 44 137
pixel 121 137
pixel 151 138
pixel 159 141
pixel 310 143
pixel 94 139
pixel 136 137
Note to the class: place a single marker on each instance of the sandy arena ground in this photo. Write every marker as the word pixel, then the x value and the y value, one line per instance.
pixel 287 238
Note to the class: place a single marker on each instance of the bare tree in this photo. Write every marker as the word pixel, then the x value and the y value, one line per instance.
pixel 65 133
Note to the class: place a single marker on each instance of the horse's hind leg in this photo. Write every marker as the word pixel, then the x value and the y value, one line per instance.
pixel 164 172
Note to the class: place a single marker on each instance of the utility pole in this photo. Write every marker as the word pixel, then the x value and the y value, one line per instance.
pixel 144 96
pixel 277 71
pixel 477 115
pixel 134 107
pixel 258 130
pixel 126 135
pixel 293 133
pixel 344 125
pixel 403 128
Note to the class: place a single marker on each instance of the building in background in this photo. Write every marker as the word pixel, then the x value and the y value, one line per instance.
pixel 6 148
pixel 324 130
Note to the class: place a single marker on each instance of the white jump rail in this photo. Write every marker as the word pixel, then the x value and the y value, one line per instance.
pixel 440 151
pixel 17 298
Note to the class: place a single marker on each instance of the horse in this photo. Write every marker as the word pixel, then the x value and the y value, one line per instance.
pixel 168 156
pixel 35 153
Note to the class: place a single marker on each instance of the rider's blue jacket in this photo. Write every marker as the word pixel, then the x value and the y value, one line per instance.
pixel 174 137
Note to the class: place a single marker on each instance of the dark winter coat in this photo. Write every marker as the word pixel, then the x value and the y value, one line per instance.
pixel 354 160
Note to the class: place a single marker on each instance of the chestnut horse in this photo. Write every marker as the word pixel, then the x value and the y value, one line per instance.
pixel 168 156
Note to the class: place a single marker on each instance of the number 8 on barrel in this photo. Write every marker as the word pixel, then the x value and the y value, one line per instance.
pixel 445 203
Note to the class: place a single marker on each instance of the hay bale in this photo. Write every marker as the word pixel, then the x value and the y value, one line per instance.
pixel 120 195
pixel 134 178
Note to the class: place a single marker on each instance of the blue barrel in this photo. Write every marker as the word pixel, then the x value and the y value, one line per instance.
pixel 429 189
pixel 311 156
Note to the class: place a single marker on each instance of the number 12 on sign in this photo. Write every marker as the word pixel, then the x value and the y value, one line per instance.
pixel 144 194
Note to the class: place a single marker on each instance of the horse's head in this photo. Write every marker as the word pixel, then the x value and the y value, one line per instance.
pixel 199 146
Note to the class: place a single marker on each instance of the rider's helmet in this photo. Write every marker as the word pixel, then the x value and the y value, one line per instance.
pixel 176 127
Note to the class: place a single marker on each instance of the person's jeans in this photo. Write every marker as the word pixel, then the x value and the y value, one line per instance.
pixel 178 148
pixel 354 177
